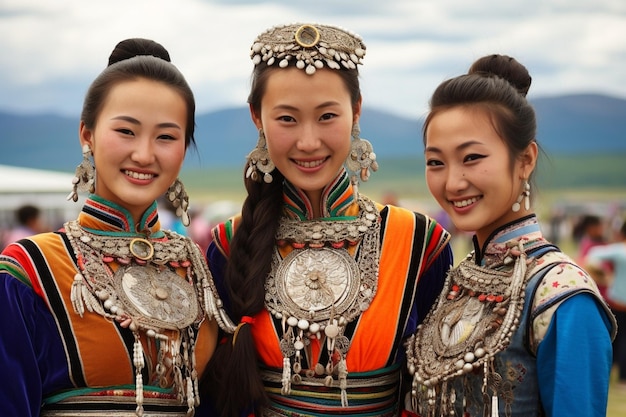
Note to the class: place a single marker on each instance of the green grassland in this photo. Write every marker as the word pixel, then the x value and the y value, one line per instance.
pixel 582 177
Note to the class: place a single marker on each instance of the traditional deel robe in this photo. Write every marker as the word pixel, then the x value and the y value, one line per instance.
pixel 331 343
pixel 520 330
pixel 54 359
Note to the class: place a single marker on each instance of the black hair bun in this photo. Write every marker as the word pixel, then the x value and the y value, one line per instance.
pixel 132 47
pixel 505 67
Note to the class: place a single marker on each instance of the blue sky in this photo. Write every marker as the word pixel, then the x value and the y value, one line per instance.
pixel 52 50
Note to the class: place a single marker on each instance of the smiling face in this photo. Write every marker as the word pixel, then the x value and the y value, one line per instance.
pixel 469 170
pixel 307 120
pixel 138 143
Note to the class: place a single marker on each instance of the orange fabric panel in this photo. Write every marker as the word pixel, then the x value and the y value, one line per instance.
pixel 104 357
pixel 266 340
pixel 372 341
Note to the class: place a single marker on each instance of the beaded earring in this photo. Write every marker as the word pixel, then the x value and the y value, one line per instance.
pixel 84 176
pixel 360 159
pixel 260 165
pixel 179 198
pixel 525 195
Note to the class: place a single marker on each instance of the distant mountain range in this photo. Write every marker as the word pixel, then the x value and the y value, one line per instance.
pixel 567 125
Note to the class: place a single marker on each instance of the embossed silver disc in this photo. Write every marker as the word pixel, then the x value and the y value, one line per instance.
pixel 155 297
pixel 312 281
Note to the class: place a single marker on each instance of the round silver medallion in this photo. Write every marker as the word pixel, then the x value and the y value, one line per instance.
pixel 156 297
pixel 311 282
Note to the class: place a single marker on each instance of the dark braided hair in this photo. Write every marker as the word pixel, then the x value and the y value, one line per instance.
pixel 237 381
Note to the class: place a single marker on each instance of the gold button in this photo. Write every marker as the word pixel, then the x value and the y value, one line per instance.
pixel 307 36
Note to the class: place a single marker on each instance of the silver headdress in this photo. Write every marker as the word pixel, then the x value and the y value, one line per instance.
pixel 311 46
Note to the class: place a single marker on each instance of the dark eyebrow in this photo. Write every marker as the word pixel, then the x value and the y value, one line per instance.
pixel 320 106
pixel 127 119
pixel 137 122
pixel 285 107
pixel 458 148
pixel 327 104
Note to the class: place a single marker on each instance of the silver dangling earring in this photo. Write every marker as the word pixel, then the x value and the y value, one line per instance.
pixel 525 195
pixel 84 177
pixel 259 163
pixel 360 159
pixel 177 195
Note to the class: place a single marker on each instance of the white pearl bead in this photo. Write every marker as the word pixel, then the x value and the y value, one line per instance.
pixel 331 331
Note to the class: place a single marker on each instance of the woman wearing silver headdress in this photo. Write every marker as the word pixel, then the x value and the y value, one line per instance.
pixel 111 314
pixel 325 284
pixel 520 329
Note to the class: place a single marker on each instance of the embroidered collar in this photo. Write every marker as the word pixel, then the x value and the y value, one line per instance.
pixel 525 229
pixel 100 216
pixel 337 200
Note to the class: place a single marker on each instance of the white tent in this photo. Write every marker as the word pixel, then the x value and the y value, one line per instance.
pixel 18 180
pixel 46 189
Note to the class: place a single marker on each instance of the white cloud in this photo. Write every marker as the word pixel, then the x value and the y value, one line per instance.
pixel 52 50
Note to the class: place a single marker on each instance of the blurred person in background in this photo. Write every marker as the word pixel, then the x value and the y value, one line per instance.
pixel 589 233
pixel 616 294
pixel 29 222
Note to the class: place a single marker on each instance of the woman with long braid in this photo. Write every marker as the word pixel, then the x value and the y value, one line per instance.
pixel 324 283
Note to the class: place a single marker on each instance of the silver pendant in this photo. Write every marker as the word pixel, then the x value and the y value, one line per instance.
pixel 316 283
pixel 156 297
